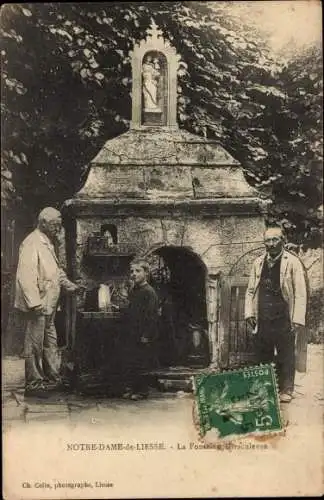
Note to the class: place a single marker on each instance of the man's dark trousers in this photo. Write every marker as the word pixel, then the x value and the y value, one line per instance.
pixel 278 333
pixel 274 327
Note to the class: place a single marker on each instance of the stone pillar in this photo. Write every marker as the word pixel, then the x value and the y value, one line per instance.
pixel 136 90
pixel 213 300
pixel 172 92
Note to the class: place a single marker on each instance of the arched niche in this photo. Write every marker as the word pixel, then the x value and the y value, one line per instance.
pixel 154 88
pixel 156 62
pixel 109 231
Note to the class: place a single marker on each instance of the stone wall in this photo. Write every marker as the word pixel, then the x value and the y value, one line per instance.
pixel 218 241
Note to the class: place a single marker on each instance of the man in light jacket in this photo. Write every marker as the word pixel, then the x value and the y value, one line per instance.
pixel 275 307
pixel 38 284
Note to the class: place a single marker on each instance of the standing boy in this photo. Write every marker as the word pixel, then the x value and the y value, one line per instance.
pixel 141 330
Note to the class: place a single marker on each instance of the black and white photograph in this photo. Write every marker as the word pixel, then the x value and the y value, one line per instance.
pixel 162 289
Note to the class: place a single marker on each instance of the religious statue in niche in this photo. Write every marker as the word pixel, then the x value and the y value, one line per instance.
pixel 151 73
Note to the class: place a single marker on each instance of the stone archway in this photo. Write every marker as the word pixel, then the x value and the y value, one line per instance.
pixel 179 277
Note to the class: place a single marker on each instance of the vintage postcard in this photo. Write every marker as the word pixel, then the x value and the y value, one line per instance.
pixel 161 250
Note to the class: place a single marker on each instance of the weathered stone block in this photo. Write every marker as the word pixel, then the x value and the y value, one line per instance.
pixel 162 181
pixel 193 150
pixel 174 231
pixel 215 182
pixel 143 233
pixel 114 181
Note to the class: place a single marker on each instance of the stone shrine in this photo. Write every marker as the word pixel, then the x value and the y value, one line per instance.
pixel 182 202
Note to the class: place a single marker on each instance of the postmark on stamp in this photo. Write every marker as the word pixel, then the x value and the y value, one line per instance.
pixel 239 402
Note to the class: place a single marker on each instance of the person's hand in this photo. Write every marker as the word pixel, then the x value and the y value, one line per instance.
pixel 251 323
pixel 144 340
pixel 38 310
pixel 79 288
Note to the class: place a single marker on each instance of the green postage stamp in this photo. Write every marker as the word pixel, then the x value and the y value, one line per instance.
pixel 238 402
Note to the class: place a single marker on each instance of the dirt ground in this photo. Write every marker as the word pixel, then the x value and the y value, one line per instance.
pixel 290 464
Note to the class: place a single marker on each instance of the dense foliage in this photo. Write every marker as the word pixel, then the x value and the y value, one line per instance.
pixel 66 89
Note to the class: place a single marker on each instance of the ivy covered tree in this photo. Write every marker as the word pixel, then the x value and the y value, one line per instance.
pixel 66 87
pixel 297 186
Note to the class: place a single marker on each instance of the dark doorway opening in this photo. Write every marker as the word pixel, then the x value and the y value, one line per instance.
pixel 179 277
